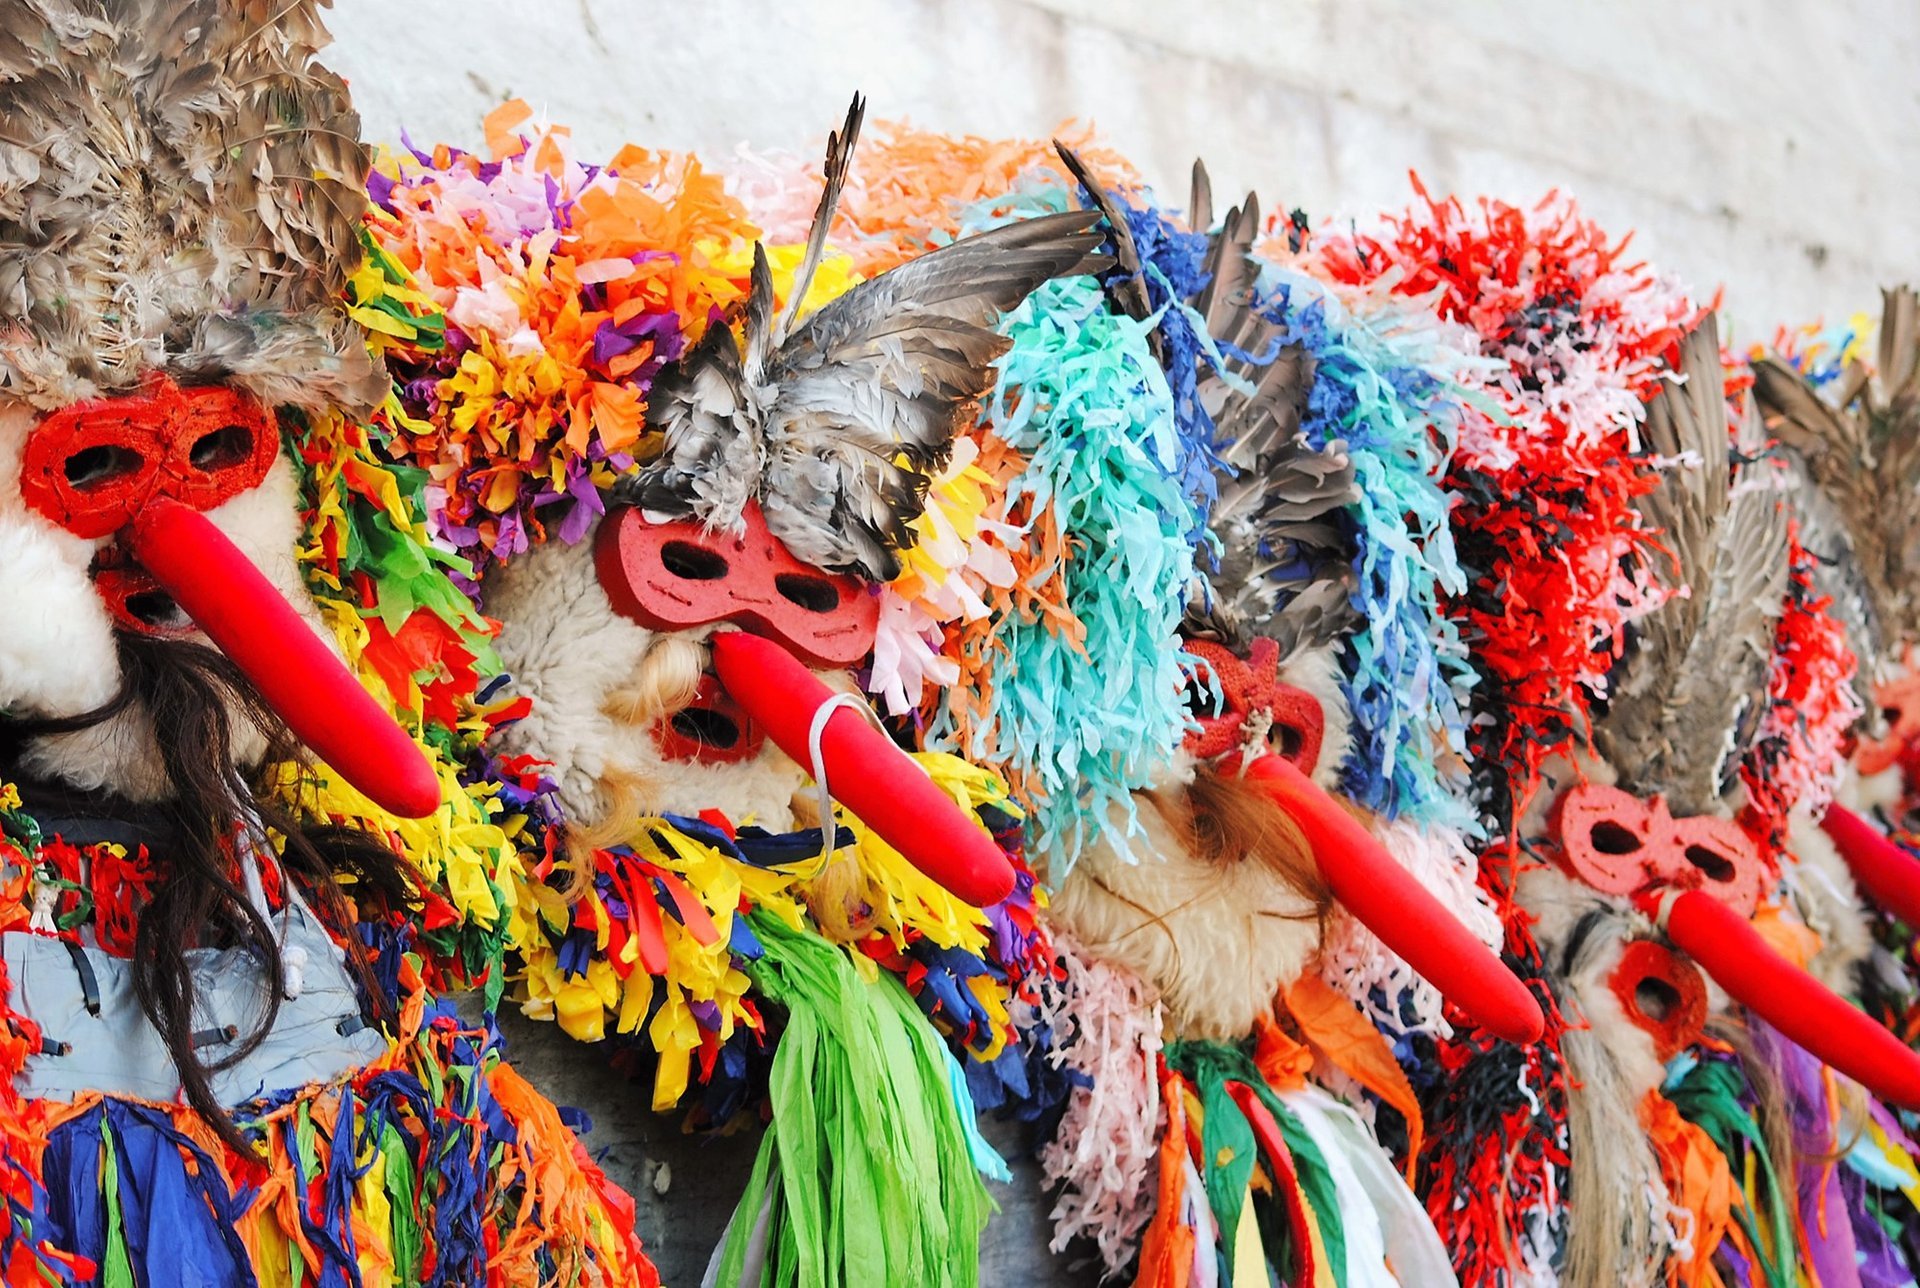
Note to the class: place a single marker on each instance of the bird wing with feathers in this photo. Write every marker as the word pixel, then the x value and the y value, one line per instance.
pixel 181 188
pixel 1862 453
pixel 1283 563
pixel 834 424
pixel 1691 690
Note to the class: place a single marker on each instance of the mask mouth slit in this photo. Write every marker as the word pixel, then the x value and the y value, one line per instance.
pixel 1655 998
pixel 136 601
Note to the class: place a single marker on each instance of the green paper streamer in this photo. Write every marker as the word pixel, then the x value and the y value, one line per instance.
pixel 1211 1065
pixel 867 1159
pixel 1708 1096
pixel 116 1271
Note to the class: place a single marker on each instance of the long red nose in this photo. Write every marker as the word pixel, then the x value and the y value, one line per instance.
pixel 1728 948
pixel 1883 869
pixel 1390 903
pixel 252 623
pixel 871 776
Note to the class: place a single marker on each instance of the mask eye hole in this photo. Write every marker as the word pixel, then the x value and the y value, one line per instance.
pixel 96 466
pixel 1202 698
pixel 1288 740
pixel 1655 998
pixel 815 594
pixel 708 728
pixel 221 449
pixel 1713 865
pixel 692 563
pixel 1609 837
pixel 157 609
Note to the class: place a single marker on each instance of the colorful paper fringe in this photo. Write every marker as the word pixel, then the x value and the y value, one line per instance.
pixel 1581 331
pixel 1085 697
pixel 566 287
pixel 434 1165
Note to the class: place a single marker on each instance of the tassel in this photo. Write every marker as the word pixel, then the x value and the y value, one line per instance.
pixel 866 1165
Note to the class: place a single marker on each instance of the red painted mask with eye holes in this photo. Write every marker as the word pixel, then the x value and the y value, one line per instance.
pixel 1249 686
pixel 1662 993
pixel 92 466
pixel 1622 845
pixel 144 469
pixel 680 576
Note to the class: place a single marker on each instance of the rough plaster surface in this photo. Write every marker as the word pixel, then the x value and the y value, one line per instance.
pixel 1772 146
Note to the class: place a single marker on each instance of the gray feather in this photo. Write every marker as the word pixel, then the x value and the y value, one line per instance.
pixel 839 157
pixel 181 189
pixel 1862 453
pixel 1285 564
pixel 834 428
pixel 1688 697
pixel 1200 199
pixel 894 369
pixel 1124 286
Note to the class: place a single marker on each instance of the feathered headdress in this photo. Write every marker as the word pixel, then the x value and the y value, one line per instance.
pixel 1282 563
pixel 832 424
pixel 1861 448
pixel 180 190
pixel 1688 697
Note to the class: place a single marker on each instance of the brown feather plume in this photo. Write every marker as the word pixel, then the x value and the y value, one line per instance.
pixel 180 189
pixel 1687 698
pixel 1862 454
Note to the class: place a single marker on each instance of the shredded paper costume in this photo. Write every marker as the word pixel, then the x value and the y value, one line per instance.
pixel 1385 746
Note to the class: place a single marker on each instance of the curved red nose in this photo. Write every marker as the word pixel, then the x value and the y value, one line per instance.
pixel 1728 948
pixel 1390 903
pixel 871 776
pixel 252 623
pixel 1883 869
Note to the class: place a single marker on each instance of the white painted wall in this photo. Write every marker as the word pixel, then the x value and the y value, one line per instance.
pixel 1769 145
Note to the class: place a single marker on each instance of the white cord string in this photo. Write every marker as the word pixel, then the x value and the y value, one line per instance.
pixel 293 960
pixel 829 830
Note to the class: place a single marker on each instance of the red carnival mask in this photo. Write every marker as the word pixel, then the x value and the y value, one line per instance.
pixel 91 467
pixel 1249 687
pixel 679 576
pixel 144 469
pixel 1700 879
pixel 1622 845
pixel 1900 700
